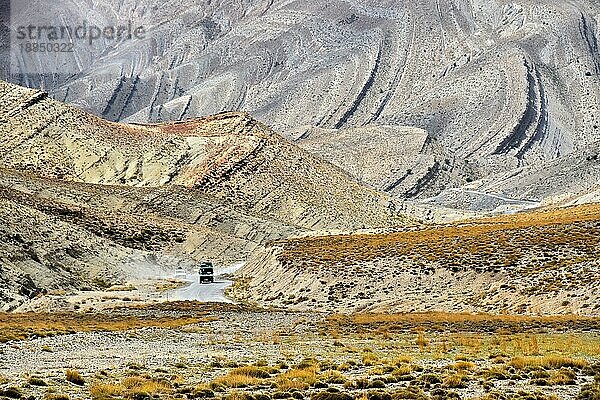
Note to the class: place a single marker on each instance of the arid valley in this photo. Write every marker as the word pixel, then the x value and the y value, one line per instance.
pixel 285 199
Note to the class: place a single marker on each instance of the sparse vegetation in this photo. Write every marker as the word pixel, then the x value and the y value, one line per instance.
pixel 12 392
pixel 74 376
pixel 548 362
pixel 234 379
pixel 132 387
pixel 56 396
pixel 15 326
pixel 575 226
pixel 36 381
pixel 101 391
pixel 459 323
pixel 590 391
pixel 421 356
pixel 121 288
pixel 300 379
pixel 533 254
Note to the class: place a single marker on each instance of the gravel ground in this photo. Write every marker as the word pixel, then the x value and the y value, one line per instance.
pixel 200 352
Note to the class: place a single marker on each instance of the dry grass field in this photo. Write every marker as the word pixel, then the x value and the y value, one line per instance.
pixel 22 326
pixel 195 351
pixel 569 235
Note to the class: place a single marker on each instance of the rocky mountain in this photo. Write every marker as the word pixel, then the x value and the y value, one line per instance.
pixel 84 200
pixel 62 235
pixel 496 85
pixel 374 154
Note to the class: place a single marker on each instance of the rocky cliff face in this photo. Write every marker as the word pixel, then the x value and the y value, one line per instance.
pixel 496 85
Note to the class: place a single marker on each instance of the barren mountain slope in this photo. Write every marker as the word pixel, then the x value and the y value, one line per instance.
pixel 42 249
pixel 572 178
pixel 496 84
pixel 230 157
pixel 384 157
pixel 540 262
pixel 61 235
pixel 84 200
pixel 392 157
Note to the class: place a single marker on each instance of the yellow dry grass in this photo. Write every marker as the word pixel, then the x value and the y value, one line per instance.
pixel 418 319
pixel 370 359
pixel 100 390
pixel 430 322
pixel 464 366
pixel 405 369
pixel 493 242
pixel 233 380
pixel 251 371
pixel 297 379
pixel 74 376
pixel 454 381
pixel 148 386
pixel 25 325
pixel 549 362
pixel 130 387
pixel 402 359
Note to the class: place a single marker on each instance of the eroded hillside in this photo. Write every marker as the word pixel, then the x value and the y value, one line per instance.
pixel 230 157
pixel 86 201
pixel 59 235
pixel 497 85
pixel 540 262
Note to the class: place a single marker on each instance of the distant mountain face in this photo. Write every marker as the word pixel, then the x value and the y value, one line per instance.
pixel 495 84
